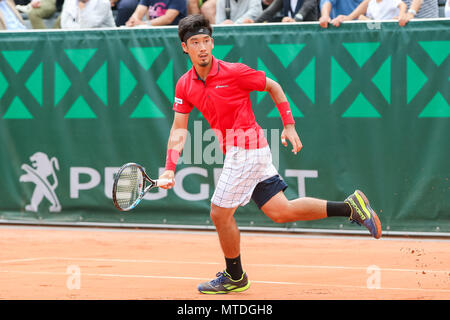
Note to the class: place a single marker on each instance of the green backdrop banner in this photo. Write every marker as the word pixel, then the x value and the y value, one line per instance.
pixel 371 103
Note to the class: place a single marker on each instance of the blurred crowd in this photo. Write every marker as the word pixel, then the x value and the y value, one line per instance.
pixel 82 14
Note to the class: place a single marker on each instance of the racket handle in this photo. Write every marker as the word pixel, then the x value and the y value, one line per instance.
pixel 163 182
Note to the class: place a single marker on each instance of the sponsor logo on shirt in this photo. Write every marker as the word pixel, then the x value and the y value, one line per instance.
pixel 178 100
pixel 224 86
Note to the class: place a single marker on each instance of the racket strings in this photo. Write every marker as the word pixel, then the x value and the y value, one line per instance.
pixel 129 186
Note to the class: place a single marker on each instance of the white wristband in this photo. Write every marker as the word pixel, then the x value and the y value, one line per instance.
pixel 414 12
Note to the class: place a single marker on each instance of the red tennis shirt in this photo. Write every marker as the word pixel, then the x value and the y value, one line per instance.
pixel 224 100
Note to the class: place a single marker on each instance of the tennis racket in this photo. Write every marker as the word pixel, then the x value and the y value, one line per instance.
pixel 131 183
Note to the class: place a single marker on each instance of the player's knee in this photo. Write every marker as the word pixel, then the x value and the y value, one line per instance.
pixel 214 216
pixel 279 218
pixel 220 215
pixel 278 214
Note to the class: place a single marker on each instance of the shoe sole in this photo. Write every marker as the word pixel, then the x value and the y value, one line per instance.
pixel 225 292
pixel 375 218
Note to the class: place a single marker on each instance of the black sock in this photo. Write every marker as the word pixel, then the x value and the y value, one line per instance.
pixel 234 267
pixel 338 209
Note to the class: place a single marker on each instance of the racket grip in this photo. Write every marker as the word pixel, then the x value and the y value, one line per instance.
pixel 163 182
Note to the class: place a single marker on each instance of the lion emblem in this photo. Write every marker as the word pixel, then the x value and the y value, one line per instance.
pixel 40 170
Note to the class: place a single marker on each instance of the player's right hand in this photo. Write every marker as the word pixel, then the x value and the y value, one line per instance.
pixel 168 174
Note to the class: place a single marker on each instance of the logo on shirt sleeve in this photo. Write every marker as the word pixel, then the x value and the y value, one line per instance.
pixel 178 100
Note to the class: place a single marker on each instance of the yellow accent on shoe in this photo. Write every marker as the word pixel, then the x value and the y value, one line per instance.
pixel 214 292
pixel 242 288
pixel 229 286
pixel 355 206
pixel 363 204
pixel 229 276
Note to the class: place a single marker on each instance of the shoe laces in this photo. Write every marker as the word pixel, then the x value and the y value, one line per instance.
pixel 221 277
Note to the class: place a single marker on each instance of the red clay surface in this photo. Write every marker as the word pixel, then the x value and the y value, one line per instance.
pixel 38 263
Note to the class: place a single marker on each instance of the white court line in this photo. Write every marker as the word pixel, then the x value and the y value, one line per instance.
pixel 245 231
pixel 108 275
pixel 23 260
pixel 266 265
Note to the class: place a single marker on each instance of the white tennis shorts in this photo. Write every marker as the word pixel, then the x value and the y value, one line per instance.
pixel 243 169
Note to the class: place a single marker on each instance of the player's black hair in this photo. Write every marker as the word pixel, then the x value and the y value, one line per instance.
pixel 191 25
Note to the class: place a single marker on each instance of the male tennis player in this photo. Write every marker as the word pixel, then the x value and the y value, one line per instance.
pixel 220 90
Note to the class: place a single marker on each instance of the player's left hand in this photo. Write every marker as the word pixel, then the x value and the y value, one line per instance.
pixel 289 133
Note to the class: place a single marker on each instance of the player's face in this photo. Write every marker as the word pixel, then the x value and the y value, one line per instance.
pixel 199 48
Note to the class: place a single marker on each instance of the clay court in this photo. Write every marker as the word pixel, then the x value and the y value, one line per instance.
pixel 93 263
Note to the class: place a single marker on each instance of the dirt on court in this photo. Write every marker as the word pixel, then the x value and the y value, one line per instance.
pixel 87 263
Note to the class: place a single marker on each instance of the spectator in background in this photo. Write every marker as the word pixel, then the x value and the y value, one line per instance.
pixel 447 9
pixel 330 9
pixel 376 10
pixel 237 11
pixel 276 17
pixel 204 7
pixel 421 9
pixel 124 8
pixel 10 18
pixel 37 11
pixel 85 14
pixel 292 10
pixel 265 4
pixel 159 13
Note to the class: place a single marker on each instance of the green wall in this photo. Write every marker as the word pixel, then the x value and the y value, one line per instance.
pixel 371 103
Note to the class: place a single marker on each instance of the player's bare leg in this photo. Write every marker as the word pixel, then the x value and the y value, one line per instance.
pixel 281 210
pixel 233 278
pixel 227 230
